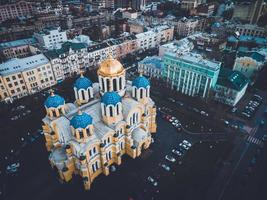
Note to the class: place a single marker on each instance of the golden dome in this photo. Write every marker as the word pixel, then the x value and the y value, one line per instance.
pixel 110 67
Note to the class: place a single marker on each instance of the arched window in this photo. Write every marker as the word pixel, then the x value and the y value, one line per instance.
pixel 120 81
pixel 108 85
pixel 111 111
pixel 88 131
pixel 118 109
pixel 81 134
pixel 147 92
pixel 141 93
pixel 83 96
pixel 135 92
pixel 103 84
pixel 136 118
pixel 105 110
pixel 115 84
pixel 54 113
pixel 89 94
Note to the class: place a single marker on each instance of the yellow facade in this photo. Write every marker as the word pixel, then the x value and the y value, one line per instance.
pixel 88 139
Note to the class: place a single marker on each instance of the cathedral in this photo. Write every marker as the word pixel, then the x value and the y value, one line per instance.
pixel 108 119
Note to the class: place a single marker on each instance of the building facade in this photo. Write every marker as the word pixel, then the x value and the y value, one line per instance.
pixel 68 60
pixel 190 4
pixel 51 38
pixel 152 67
pixel 230 87
pixel 185 26
pixel 249 63
pixel 251 30
pixel 14 10
pixel 190 73
pixel 21 77
pixel 115 118
pixel 18 48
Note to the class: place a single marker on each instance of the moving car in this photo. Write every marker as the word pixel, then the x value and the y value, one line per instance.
pixel 167 168
pixel 152 181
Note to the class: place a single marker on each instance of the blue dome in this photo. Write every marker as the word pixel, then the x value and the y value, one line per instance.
pixel 111 98
pixel 81 120
pixel 141 81
pixel 83 83
pixel 54 101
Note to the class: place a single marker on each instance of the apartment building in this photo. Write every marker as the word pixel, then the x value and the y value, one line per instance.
pixel 14 10
pixel 51 38
pixel 24 76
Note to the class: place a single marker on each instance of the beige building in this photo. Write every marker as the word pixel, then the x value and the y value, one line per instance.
pixel 21 77
pixel 114 118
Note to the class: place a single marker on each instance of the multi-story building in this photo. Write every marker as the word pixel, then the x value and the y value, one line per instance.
pixel 249 63
pixel 155 37
pixel 51 38
pixel 189 4
pixel 115 118
pixel 249 11
pixel 14 10
pixel 68 60
pixel 190 73
pixel 138 4
pixel 186 26
pixel 151 67
pixel 230 87
pixel 99 52
pixel 251 30
pixel 18 48
pixel 23 76
pixel 125 45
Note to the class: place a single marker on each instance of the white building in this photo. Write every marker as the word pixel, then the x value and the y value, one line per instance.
pixel 51 38
pixel 189 4
pixel 178 46
pixel 251 30
pixel 154 37
pixel 230 87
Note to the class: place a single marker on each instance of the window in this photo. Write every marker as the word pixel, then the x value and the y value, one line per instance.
pixel 7 79
pixel 118 109
pixel 111 111
pixel 10 85
pixel 83 96
pixel 141 93
pixel 16 83
pixel 19 75
pixel 115 84
pixel 81 134
pixel 12 92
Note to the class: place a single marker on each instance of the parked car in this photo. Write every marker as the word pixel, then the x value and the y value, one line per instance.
pixel 167 168
pixel 176 152
pixel 264 138
pixel 187 143
pixel 152 181
pixel 234 109
pixel 204 113
pixel 184 146
pixel 170 158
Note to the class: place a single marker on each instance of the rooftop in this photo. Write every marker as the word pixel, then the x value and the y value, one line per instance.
pixel 17 43
pixel 197 59
pixel 21 64
pixel 154 60
pixel 232 79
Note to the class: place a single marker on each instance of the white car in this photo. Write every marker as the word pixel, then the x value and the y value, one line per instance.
pixel 184 146
pixel 176 152
pixel 152 181
pixel 170 158
pixel 187 143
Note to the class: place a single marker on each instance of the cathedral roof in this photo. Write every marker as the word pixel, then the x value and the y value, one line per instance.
pixel 54 101
pixel 83 83
pixel 110 67
pixel 111 98
pixel 81 120
pixel 141 81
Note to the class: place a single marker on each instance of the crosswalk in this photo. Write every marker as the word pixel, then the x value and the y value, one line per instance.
pixel 254 140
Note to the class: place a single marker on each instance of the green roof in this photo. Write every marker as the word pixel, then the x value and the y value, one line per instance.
pixel 65 49
pixel 232 79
